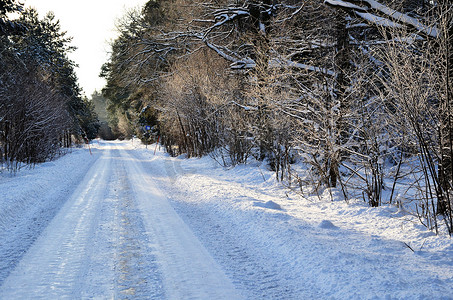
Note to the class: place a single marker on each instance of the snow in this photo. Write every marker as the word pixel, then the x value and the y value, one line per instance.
pixel 431 31
pixel 268 204
pixel 125 223
pixel 248 63
pixel 292 64
pixel 236 63
pixel 29 201
pixel 262 28
pixel 387 11
pixel 378 20
pixel 344 4
pixel 326 224
pixel 310 248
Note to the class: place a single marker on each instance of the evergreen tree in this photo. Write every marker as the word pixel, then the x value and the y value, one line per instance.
pixel 40 101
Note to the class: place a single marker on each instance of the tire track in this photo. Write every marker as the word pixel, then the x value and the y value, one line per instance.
pixel 137 273
pixel 189 271
pixel 249 271
pixel 95 247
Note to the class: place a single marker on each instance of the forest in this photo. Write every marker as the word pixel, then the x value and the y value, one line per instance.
pixel 342 95
pixel 42 110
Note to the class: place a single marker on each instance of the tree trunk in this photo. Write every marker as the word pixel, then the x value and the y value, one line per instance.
pixel 446 139
pixel 341 66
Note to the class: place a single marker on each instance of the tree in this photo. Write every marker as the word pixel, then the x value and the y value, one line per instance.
pixel 328 83
pixel 8 26
pixel 416 81
pixel 41 105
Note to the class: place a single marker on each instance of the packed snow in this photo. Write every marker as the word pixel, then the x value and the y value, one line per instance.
pixel 130 222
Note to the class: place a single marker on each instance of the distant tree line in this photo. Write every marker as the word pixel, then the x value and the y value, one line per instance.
pixel 41 107
pixel 357 91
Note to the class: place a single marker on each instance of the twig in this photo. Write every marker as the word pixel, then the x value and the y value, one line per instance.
pixel 409 246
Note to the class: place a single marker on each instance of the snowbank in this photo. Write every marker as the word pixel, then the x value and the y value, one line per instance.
pixel 278 245
pixel 31 198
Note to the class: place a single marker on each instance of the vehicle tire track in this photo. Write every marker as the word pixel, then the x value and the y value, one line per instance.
pixel 95 247
pixel 251 271
pixel 189 271
pixel 137 273
pixel 247 269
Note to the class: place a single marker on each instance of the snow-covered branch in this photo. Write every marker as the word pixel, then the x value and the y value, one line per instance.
pixel 248 63
pixel 381 15
pixel 223 16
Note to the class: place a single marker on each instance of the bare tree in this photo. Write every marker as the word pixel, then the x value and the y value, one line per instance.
pixel 416 77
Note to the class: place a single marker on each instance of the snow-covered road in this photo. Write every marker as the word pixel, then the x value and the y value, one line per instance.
pixel 126 223
pixel 117 236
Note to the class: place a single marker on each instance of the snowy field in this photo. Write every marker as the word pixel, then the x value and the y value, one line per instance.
pixel 125 223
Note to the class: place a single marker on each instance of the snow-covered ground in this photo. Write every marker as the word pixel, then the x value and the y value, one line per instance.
pixel 128 223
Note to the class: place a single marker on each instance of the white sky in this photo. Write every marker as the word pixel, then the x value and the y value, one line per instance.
pixel 92 25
